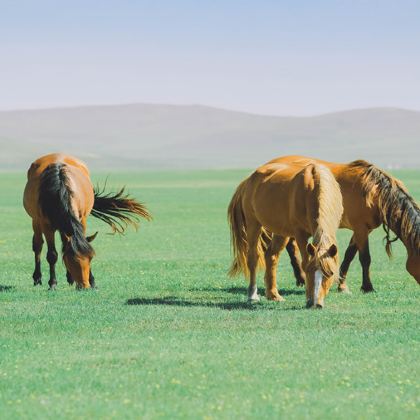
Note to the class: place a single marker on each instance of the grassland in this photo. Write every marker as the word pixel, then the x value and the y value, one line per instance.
pixel 167 334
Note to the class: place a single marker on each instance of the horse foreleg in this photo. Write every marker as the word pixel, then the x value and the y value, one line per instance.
pixel 349 255
pixel 296 261
pixel 92 280
pixel 91 277
pixel 253 234
pixel 365 260
pixel 52 256
pixel 37 242
pixel 361 239
pixel 302 241
pixel 272 255
pixel 70 279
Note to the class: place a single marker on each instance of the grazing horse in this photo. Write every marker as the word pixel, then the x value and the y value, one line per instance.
pixel 59 196
pixel 286 201
pixel 371 197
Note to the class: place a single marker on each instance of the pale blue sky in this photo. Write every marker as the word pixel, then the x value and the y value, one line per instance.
pixel 291 57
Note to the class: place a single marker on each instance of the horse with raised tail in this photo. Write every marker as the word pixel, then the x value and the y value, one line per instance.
pixel 59 196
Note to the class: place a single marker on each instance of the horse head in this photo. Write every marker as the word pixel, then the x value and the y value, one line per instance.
pixel 78 262
pixel 321 272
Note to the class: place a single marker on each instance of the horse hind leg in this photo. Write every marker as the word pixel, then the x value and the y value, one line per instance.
pixel 52 257
pixel 296 261
pixel 37 243
pixel 272 256
pixel 253 235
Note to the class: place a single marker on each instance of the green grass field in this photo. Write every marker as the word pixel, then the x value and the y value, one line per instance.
pixel 168 334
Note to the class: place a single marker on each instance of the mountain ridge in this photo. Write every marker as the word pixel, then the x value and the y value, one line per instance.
pixel 194 136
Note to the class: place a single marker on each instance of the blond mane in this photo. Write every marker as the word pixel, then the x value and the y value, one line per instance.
pixel 330 212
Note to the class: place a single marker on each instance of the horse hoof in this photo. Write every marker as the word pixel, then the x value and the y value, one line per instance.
pixel 52 287
pixel 254 299
pixel 276 298
pixel 343 289
pixel 368 289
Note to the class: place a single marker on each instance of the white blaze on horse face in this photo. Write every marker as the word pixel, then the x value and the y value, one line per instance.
pixel 317 285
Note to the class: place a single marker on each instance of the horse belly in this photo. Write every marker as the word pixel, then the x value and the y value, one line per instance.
pixel 272 208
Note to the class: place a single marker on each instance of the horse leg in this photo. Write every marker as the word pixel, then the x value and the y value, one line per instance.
pixel 91 277
pixel 362 242
pixel 296 261
pixel 51 256
pixel 92 280
pixel 272 255
pixel 37 242
pixel 302 241
pixel 365 260
pixel 253 235
pixel 70 280
pixel 351 252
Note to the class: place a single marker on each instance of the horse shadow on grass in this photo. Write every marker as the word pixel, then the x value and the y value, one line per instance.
pixel 4 288
pixel 227 306
pixel 174 301
pixel 243 291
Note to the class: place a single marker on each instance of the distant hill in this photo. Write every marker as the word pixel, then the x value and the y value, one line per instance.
pixel 144 136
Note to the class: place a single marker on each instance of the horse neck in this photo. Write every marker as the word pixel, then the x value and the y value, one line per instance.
pixel 398 210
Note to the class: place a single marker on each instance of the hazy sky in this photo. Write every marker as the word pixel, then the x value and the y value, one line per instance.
pixel 291 57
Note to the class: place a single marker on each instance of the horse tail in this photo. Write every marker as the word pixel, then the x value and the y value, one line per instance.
pixel 118 210
pixel 55 201
pixel 239 243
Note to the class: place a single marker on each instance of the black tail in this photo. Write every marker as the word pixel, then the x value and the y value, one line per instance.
pixel 55 202
pixel 118 209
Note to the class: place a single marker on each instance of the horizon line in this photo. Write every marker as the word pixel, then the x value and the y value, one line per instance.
pixel 197 105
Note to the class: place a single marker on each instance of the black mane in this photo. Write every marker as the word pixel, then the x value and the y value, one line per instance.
pixel 55 197
pixel 399 211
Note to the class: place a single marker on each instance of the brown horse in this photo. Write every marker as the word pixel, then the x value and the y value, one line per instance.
pixel 59 196
pixel 371 197
pixel 289 201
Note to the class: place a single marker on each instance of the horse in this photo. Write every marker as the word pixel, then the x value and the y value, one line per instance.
pixel 284 201
pixel 59 196
pixel 371 197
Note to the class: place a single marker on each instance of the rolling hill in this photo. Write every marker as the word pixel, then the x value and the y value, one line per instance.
pixel 145 136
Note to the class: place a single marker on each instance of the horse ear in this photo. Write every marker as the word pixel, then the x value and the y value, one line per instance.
pixel 332 251
pixel 310 249
pixel 91 237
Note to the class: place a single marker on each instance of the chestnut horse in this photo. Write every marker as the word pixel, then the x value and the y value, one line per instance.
pixel 59 196
pixel 371 197
pixel 289 201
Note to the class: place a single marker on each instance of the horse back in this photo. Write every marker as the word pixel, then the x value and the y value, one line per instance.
pixel 78 179
pixel 360 211
pixel 277 196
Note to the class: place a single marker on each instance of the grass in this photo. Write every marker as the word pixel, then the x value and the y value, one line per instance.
pixel 168 335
